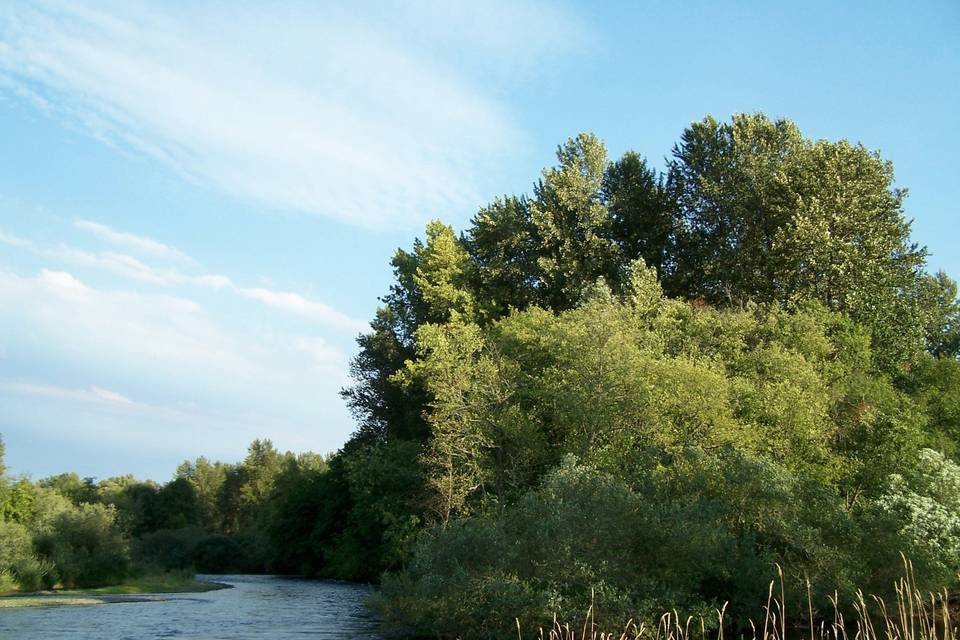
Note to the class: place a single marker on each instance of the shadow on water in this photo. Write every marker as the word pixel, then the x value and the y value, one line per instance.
pixel 257 607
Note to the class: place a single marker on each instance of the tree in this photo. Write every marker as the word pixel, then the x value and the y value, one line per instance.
pixel 504 246
pixel 207 480
pixel 921 511
pixel 642 219
pixel 260 469
pixel 769 216
pixel 72 486
pixel 176 505
pixel 457 439
pixel 943 327
pixel 572 223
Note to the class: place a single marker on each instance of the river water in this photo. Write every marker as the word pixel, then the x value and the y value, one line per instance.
pixel 257 607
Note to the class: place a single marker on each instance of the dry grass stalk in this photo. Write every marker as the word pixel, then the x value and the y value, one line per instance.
pixel 912 616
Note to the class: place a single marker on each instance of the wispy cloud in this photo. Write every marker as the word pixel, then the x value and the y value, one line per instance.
pixel 306 109
pixel 144 366
pixel 131 268
pixel 168 335
pixel 14 241
pixel 95 395
pixel 165 330
pixel 298 305
pixel 132 241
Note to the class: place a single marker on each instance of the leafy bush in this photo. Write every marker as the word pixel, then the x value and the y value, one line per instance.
pixel 15 543
pixel 582 531
pixel 167 548
pixel 86 546
pixel 219 554
pixel 919 515
pixel 33 573
pixel 8 582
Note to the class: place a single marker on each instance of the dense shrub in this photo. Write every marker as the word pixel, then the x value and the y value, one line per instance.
pixel 86 546
pixel 219 554
pixel 582 531
pixel 167 548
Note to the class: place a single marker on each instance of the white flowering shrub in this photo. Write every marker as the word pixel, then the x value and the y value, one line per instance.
pixel 926 507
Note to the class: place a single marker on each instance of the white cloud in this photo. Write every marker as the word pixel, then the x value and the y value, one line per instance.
pixel 96 395
pixel 133 269
pixel 166 331
pixel 117 263
pixel 325 357
pixel 298 305
pixel 158 371
pixel 142 244
pixel 307 109
pixel 14 241
pixel 64 285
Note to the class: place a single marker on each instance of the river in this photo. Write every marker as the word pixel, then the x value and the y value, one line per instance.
pixel 257 607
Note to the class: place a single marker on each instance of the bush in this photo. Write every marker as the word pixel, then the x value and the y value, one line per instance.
pixel 219 554
pixel 33 573
pixel 919 515
pixel 8 582
pixel 691 536
pixel 15 544
pixel 167 549
pixel 582 531
pixel 86 546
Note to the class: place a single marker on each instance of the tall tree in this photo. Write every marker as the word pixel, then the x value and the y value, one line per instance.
pixel 769 216
pixel 505 247
pixel 572 222
pixel 943 325
pixel 642 219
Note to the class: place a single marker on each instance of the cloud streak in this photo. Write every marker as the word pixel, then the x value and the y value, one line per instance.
pixel 300 109
pixel 131 268
pixel 137 243
pixel 94 395
pixel 171 337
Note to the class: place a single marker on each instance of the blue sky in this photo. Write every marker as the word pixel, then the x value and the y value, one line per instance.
pixel 198 200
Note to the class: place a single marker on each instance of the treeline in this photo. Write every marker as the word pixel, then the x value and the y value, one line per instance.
pixel 64 531
pixel 648 386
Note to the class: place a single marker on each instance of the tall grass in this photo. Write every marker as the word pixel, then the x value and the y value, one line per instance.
pixel 910 615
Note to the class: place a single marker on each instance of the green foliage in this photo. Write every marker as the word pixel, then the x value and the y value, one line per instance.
pixel 572 223
pixel 86 546
pixel 582 531
pixel 770 216
pixel 503 247
pixel 935 384
pixel 919 513
pixel 166 549
pixel 642 218
pixel 218 553
pixel 70 485
pixel 943 327
pixel 207 480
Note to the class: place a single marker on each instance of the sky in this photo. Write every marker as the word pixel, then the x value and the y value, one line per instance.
pixel 199 200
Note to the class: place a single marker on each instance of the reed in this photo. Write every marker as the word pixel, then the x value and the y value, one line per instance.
pixel 910 615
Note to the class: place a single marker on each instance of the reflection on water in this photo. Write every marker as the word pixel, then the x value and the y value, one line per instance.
pixel 258 607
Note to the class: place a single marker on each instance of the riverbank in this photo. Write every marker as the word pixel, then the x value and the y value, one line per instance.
pixel 158 584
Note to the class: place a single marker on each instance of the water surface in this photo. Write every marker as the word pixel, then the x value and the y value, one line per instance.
pixel 257 607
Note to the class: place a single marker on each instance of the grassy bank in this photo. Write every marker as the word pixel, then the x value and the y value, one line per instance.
pixel 156 583
pixel 148 584
pixel 9 602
